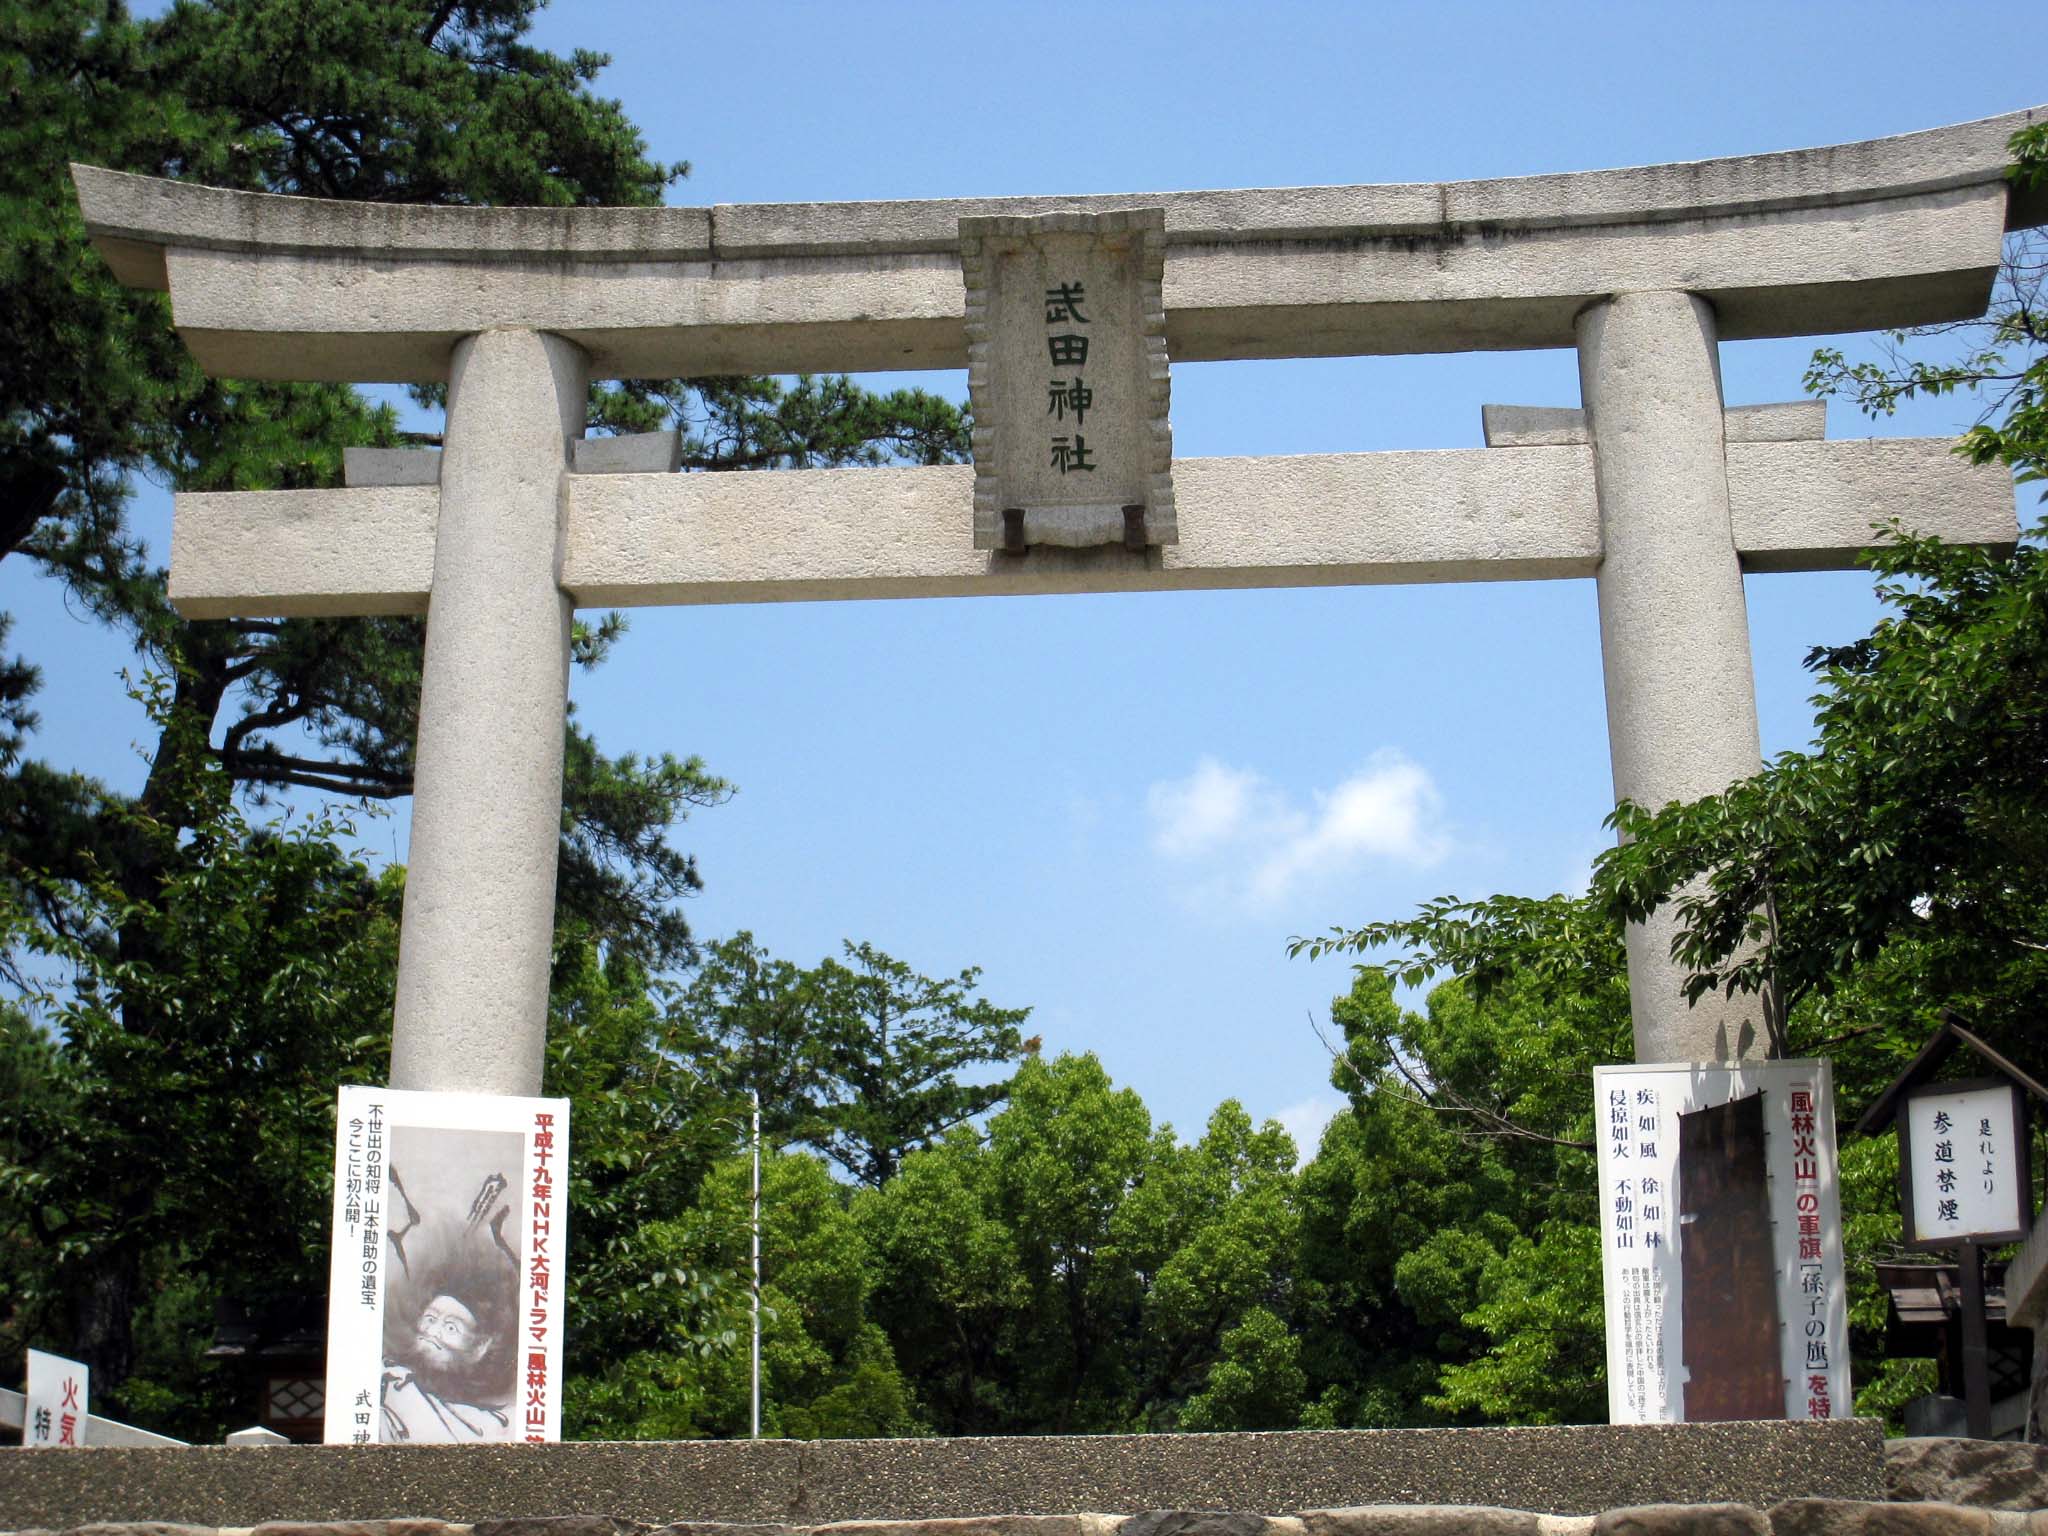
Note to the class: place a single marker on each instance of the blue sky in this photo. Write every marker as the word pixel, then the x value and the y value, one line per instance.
pixel 1122 807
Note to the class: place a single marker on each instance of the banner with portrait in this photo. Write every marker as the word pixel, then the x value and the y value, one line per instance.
pixel 444 1308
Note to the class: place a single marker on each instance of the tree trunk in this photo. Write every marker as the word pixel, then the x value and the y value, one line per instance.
pixel 103 1305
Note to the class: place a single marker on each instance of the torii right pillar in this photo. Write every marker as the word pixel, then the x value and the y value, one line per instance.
pixel 1674 626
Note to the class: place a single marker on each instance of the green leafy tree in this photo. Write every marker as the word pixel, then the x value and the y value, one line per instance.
pixel 751 1024
pixel 91 375
pixel 948 1285
pixel 827 1368
pixel 895 1044
pixel 178 1126
pixel 1082 1271
pixel 1012 1272
pixel 1212 1230
pixel 1258 1382
pixel 861 1060
pixel 668 1071
pixel 1467 1145
pixel 1539 1303
pixel 643 1136
pixel 1064 1153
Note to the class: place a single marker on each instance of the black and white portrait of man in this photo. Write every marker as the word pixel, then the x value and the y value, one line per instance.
pixel 451 1357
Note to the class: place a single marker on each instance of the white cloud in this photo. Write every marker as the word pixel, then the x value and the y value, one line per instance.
pixel 1388 811
pixel 1208 808
pixel 1305 1122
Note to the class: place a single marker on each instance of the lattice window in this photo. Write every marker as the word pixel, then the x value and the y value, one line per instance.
pixel 296 1397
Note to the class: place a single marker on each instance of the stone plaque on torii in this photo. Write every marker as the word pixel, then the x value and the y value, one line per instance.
pixel 1655 490
pixel 1065 321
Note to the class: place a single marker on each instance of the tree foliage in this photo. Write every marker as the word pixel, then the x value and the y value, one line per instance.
pixel 177 1129
pixel 893 1045
pixel 1468 1144
pixel 859 1059
pixel 826 1369
pixel 1083 1271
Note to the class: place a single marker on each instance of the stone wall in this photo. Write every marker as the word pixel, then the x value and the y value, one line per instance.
pixel 1730 1480
pixel 1560 1470
pixel 1991 1474
pixel 1794 1517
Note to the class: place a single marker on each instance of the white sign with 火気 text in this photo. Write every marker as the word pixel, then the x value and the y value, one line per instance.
pixel 55 1410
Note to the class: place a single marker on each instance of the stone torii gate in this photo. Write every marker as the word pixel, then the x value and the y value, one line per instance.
pixel 1655 490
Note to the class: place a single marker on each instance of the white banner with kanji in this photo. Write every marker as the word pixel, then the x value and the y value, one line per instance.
pixel 1795 1287
pixel 444 1309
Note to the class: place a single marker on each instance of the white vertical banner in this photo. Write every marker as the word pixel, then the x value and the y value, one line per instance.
pixel 57 1401
pixel 1638 1157
pixel 444 1308
pixel 1643 1233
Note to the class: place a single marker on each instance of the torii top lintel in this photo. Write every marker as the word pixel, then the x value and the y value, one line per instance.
pixel 1887 232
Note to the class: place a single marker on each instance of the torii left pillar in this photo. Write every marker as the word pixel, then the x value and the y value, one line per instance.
pixel 476 938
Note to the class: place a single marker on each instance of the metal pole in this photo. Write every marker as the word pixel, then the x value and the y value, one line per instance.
pixel 754 1094
pixel 1976 1362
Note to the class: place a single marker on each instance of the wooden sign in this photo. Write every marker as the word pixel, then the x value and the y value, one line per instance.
pixel 1963 1167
